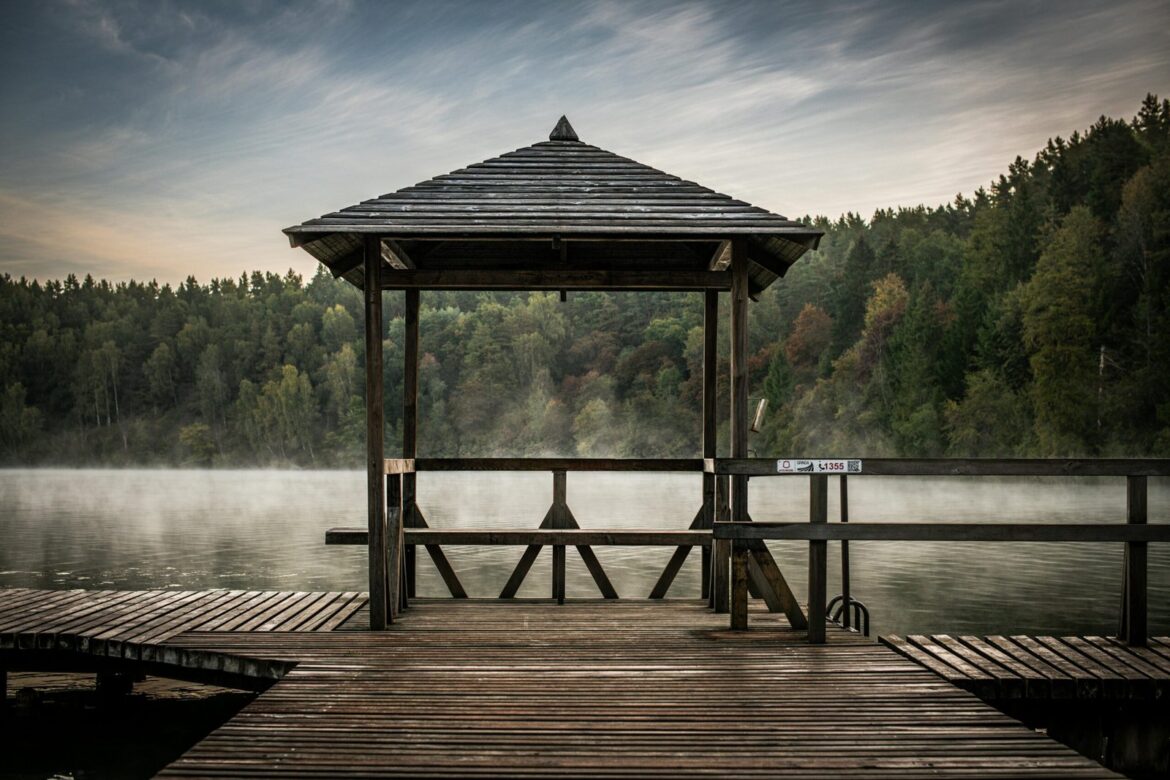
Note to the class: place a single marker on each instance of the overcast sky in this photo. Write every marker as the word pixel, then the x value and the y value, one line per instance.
pixel 162 139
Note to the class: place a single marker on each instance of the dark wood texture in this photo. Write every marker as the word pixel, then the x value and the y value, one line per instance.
pixel 410 349
pixel 590 689
pixel 410 346
pixel 699 522
pixel 375 425
pixel 1134 587
pixel 846 591
pixel 818 567
pixel 721 552
pixel 394 545
pixel 739 586
pixel 113 631
pixel 533 536
pixel 986 467
pixel 947 532
pixel 586 689
pixel 739 427
pixel 563 191
pixel 647 281
pixel 438 557
pixel 559 464
pixel 710 415
pixel 560 504
pixel 1043 667
pixel 773 587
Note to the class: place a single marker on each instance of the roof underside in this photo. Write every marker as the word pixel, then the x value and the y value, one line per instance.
pixel 557 205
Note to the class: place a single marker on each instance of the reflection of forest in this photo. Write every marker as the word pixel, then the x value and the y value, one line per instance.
pixel 1032 318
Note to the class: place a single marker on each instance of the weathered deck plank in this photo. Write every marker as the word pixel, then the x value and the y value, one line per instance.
pixel 617 689
pixel 466 688
pixel 1041 667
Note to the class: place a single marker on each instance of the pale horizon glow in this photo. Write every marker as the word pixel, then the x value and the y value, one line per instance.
pixel 175 139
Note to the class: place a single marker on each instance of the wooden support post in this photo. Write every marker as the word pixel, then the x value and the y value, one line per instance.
pixel 409 520
pixel 818 512
pixel 708 521
pixel 1133 597
pixel 739 585
pixel 846 596
pixel 560 504
pixel 739 424
pixel 394 545
pixel 410 422
pixel 721 554
pixel 375 432
pixel 710 422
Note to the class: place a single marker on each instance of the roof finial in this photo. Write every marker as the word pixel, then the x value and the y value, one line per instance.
pixel 563 131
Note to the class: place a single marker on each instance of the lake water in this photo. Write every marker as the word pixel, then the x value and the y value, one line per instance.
pixel 265 529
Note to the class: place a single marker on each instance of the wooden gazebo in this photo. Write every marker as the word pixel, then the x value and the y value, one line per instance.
pixel 558 215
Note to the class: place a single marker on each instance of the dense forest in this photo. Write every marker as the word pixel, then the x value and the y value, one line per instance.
pixel 1029 319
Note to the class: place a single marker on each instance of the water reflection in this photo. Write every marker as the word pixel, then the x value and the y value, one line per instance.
pixel 264 529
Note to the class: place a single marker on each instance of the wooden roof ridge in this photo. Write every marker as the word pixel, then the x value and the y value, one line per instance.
pixel 559 189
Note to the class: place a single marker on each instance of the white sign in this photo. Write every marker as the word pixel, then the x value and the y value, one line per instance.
pixel 835 466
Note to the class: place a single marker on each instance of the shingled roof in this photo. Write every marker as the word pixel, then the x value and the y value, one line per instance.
pixel 517 211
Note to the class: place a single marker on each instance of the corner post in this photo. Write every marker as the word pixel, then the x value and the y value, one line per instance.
pixel 1133 596
pixel 739 428
pixel 846 594
pixel 560 504
pixel 410 425
pixel 394 545
pixel 818 512
pixel 375 433
pixel 710 428
pixel 721 552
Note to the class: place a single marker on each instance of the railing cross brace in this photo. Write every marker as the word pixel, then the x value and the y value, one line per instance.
pixel 559 516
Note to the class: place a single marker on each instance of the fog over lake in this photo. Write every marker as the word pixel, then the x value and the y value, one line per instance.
pixel 265 530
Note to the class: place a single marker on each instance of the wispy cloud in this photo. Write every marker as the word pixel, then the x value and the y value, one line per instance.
pixel 178 137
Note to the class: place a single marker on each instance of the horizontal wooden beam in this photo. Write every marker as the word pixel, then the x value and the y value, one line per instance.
pixel 559 464
pixel 529 536
pixel 963 467
pixel 945 532
pixel 555 280
pixel 398 466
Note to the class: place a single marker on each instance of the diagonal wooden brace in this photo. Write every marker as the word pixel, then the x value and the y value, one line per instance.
pixel 516 579
pixel 666 579
pixel 590 558
pixel 450 578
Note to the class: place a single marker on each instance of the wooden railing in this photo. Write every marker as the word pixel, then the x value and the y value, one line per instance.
pixel 393 547
pixel 1136 533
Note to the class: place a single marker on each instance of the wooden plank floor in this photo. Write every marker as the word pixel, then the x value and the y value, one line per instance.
pixel 133 626
pixel 1043 667
pixel 594 689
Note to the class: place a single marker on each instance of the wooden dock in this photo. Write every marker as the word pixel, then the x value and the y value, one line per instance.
pixel 466 688
pixel 1044 667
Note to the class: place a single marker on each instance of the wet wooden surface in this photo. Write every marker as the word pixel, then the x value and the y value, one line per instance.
pixel 1043 667
pixel 472 688
pixel 625 689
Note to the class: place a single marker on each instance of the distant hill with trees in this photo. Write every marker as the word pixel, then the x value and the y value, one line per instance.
pixel 1029 319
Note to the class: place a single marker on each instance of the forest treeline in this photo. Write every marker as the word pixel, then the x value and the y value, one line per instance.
pixel 1031 318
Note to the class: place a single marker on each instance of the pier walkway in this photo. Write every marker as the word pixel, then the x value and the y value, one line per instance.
pixel 466 688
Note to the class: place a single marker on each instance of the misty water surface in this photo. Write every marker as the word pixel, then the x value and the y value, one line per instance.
pixel 265 529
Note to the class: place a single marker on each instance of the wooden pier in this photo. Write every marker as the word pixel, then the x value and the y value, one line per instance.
pixel 471 688
pixel 1039 668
